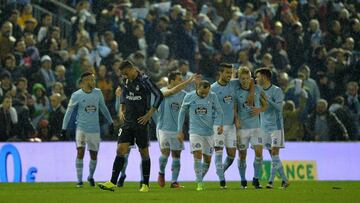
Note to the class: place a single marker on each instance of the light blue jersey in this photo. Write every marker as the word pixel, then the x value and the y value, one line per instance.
pixel 247 121
pixel 201 113
pixel 86 107
pixel 168 111
pixel 272 118
pixel 226 96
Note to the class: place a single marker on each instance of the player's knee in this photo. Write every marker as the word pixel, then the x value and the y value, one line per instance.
pixel 197 154
pixel 80 153
pixel 175 154
pixel 231 152
pixel 165 152
pixel 242 154
pixel 207 159
pixel 144 153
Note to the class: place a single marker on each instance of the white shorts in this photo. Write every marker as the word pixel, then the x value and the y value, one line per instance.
pixel 253 136
pixel 228 138
pixel 203 143
pixel 274 139
pixel 168 140
pixel 91 139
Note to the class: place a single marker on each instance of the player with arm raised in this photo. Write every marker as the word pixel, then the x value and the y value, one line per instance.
pixel 84 105
pixel 250 132
pixel 167 126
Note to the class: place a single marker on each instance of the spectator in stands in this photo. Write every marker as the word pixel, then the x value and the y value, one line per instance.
pixel 8 120
pixel 207 51
pixel 58 88
pixel 45 75
pixel 20 52
pixel 24 129
pixel 344 115
pixel 355 32
pixel 56 117
pixel 11 67
pixel 332 38
pixel 293 126
pixel 280 56
pixel 7 41
pixel 13 18
pixel 352 102
pixel 41 105
pixel 186 43
pixel 104 83
pixel 324 125
pixel 42 29
pixel 6 86
pixel 296 45
pixel 26 14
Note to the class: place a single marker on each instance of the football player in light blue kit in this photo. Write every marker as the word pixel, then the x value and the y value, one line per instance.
pixel 201 105
pixel 248 116
pixel 85 104
pixel 225 89
pixel 167 126
pixel 272 123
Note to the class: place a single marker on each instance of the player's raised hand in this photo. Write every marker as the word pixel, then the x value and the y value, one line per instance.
pixel 220 130
pixel 118 91
pixel 180 136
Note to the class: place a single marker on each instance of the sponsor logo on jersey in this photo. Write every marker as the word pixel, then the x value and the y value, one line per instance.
pixel 133 97
pixel 228 99
pixel 201 111
pixel 90 108
pixel 175 106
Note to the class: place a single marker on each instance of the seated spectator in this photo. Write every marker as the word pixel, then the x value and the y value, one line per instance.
pixel 8 120
pixel 56 117
pixel 45 75
pixel 42 104
pixel 352 102
pixel 24 129
pixel 293 126
pixel 324 125
pixel 344 115
pixel 6 86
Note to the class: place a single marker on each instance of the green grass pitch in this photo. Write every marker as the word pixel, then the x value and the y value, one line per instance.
pixel 307 191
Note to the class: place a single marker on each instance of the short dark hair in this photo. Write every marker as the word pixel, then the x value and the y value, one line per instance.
pixel 126 64
pixel 173 74
pixel 204 84
pixel 85 74
pixel 264 71
pixel 222 66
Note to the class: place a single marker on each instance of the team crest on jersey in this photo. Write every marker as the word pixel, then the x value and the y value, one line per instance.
pixel 137 88
pixel 175 106
pixel 228 99
pixel 90 108
pixel 197 145
pixel 201 111
pixel 221 142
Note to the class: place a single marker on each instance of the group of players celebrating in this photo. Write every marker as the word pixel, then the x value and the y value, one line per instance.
pixel 230 113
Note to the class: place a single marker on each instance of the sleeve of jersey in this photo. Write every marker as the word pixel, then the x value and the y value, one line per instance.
pixel 278 103
pixel 184 108
pixel 122 96
pixel 156 91
pixel 104 110
pixel 69 111
pixel 218 109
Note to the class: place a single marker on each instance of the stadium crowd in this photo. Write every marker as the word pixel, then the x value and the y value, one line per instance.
pixel 311 46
